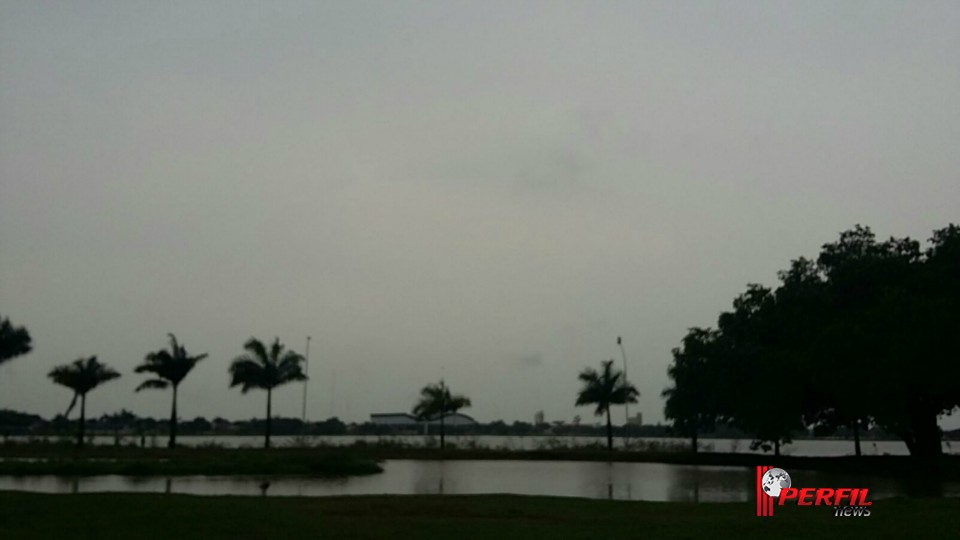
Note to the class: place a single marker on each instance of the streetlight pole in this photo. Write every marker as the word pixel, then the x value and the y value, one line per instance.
pixel 626 406
pixel 306 370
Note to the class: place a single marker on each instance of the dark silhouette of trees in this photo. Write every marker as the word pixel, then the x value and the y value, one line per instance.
pixel 169 368
pixel 861 336
pixel 266 369
pixel 82 376
pixel 436 401
pixel 14 340
pixel 603 389
pixel 691 403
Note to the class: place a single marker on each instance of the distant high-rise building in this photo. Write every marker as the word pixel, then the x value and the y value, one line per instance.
pixel 636 420
pixel 539 418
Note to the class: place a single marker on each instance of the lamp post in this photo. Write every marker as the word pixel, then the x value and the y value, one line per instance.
pixel 626 406
pixel 306 369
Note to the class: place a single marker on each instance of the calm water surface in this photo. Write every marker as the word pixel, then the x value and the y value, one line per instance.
pixel 596 480
pixel 818 447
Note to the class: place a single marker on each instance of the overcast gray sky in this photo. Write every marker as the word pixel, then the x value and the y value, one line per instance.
pixel 490 192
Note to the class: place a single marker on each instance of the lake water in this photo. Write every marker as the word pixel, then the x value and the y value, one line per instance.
pixel 595 480
pixel 810 447
pixel 817 447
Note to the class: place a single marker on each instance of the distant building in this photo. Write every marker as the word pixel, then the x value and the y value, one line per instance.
pixel 394 419
pixel 635 420
pixel 539 418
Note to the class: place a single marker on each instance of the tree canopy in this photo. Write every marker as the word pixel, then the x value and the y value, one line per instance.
pixel 604 389
pixel 82 376
pixel 266 368
pixel 169 368
pixel 436 401
pixel 14 340
pixel 860 336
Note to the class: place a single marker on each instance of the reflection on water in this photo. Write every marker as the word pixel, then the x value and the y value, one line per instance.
pixel 596 480
pixel 811 447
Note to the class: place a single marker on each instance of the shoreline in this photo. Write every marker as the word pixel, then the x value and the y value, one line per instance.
pixel 48 459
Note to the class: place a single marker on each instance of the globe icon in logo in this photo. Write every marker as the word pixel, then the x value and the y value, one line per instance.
pixel 774 480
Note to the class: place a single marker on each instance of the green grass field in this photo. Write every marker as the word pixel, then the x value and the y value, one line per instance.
pixel 127 516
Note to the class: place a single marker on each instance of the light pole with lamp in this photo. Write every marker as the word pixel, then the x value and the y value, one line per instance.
pixel 626 406
pixel 306 371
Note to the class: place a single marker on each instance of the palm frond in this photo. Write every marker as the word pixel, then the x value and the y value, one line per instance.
pixel 436 400
pixel 83 375
pixel 174 345
pixel 14 340
pixel 289 368
pixel 248 373
pixel 276 350
pixel 171 365
pixel 605 388
pixel 152 384
pixel 455 403
pixel 255 347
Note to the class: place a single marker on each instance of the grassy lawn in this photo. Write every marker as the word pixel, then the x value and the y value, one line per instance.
pixel 35 516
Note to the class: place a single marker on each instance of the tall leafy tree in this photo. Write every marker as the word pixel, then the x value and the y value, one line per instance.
pixel 435 402
pixel 169 368
pixel 14 340
pixel 861 336
pixel 887 317
pixel 604 389
pixel 762 392
pixel 265 369
pixel 82 376
pixel 691 401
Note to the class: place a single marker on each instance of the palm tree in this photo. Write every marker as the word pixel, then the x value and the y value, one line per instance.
pixel 170 368
pixel 82 376
pixel 266 370
pixel 605 388
pixel 435 400
pixel 14 340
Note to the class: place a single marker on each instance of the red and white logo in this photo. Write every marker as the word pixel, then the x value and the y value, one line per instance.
pixel 774 484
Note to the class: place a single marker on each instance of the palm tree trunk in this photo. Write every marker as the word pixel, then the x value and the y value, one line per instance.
pixel 266 443
pixel 856 436
pixel 83 419
pixel 694 441
pixel 609 432
pixel 776 447
pixel 173 420
pixel 441 431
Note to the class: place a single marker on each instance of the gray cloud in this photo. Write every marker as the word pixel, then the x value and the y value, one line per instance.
pixel 532 360
pixel 427 188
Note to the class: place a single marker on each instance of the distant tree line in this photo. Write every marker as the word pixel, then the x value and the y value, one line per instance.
pixel 863 336
pixel 128 424
pixel 129 427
